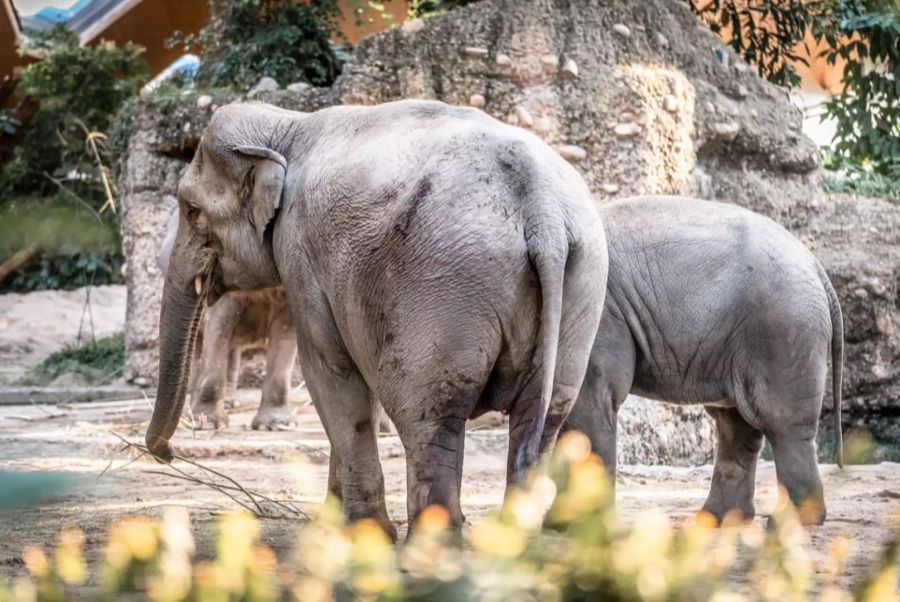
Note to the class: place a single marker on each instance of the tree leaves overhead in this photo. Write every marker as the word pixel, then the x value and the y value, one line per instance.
pixel 770 34
pixel 245 40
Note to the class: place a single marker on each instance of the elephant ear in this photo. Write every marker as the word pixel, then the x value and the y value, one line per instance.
pixel 267 186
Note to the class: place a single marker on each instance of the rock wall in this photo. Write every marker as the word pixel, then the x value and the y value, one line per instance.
pixel 639 96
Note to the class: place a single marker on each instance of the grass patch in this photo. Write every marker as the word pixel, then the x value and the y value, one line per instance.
pixel 91 361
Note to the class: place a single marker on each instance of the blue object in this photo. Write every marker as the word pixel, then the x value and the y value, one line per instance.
pixel 62 15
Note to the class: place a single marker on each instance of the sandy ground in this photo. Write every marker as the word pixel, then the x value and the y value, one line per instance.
pixel 293 465
pixel 34 325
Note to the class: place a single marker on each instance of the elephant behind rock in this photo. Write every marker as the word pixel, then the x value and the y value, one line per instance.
pixel 237 322
pixel 434 259
pixel 712 304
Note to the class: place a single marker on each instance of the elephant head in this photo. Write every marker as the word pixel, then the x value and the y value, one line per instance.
pixel 227 203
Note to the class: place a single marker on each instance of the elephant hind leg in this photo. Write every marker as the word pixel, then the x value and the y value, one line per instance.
pixel 429 398
pixel 734 475
pixel 789 417
pixel 793 440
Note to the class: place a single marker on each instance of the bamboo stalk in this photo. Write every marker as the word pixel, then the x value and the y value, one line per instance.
pixel 20 258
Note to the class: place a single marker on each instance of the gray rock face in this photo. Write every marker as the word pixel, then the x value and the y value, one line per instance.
pixel 642 113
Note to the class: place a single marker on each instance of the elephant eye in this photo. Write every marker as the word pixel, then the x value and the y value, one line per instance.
pixel 193 212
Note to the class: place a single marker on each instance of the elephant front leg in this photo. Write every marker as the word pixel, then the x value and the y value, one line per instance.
pixel 281 355
pixel 595 415
pixel 233 376
pixel 335 488
pixel 734 475
pixel 211 382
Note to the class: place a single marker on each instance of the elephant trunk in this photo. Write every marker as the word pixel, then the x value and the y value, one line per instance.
pixel 184 296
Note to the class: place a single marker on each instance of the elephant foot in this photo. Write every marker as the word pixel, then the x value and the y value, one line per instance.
pixel 734 517
pixel 209 417
pixel 273 419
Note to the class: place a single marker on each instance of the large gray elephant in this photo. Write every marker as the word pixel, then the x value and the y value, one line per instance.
pixel 238 321
pixel 712 304
pixel 433 258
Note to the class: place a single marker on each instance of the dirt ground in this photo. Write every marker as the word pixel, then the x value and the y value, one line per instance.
pixel 34 325
pixel 293 464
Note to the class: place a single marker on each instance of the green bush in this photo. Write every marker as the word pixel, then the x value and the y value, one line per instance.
pixel 245 40
pixel 865 33
pixel 77 247
pixel 58 181
pixel 93 361
pixel 577 551
pixel 80 89
pixel 862 181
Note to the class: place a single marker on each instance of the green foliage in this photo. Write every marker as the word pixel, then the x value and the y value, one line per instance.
pixel 58 179
pixel 866 33
pixel 77 246
pixel 577 551
pixel 80 89
pixel 67 270
pixel 861 181
pixel 92 361
pixel 245 40
pixel 764 32
pixel 425 8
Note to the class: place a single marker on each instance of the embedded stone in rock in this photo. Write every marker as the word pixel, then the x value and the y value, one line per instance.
pixel 670 104
pixel 662 41
pixel 570 152
pixel 203 101
pixel 741 91
pixel 622 30
pixel 626 130
pixel 477 101
pixel 475 52
pixel 413 26
pixel 298 87
pixel 543 124
pixel 524 117
pixel 550 60
pixel 265 84
pixel 727 130
pixel 503 60
pixel 570 68
pixel 609 188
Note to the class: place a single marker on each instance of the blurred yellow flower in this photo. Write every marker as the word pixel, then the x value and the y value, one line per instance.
pixel 36 561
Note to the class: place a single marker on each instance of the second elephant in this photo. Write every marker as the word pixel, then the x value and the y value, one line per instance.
pixel 711 304
pixel 240 320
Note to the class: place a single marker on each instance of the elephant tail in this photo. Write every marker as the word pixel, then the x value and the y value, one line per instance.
pixel 837 363
pixel 548 250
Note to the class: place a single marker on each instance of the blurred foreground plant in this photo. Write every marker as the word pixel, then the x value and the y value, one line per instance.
pixel 576 550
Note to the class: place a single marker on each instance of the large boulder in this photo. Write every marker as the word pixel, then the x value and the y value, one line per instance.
pixel 639 96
